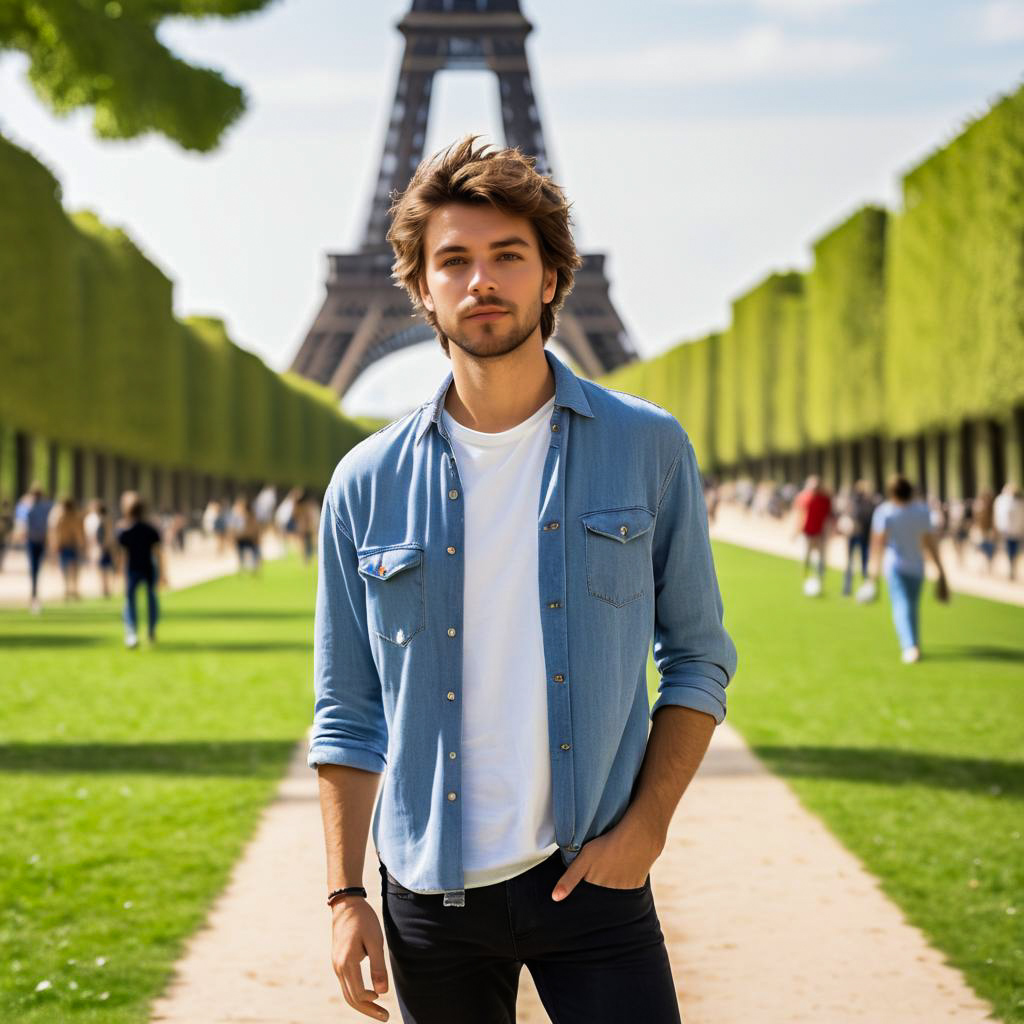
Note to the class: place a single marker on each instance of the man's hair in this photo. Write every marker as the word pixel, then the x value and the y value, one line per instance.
pixel 502 178
pixel 136 510
pixel 900 487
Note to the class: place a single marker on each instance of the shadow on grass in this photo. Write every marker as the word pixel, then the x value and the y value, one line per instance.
pixel 973 652
pixel 252 759
pixel 42 640
pixel 895 768
pixel 242 647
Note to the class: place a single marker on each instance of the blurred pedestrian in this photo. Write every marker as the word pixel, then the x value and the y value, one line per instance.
pixel 6 527
pixel 245 529
pixel 958 524
pixel 984 529
pixel 99 532
pixel 32 518
pixel 855 523
pixel 144 566
pixel 306 517
pixel 813 520
pixel 68 540
pixel 902 528
pixel 1008 519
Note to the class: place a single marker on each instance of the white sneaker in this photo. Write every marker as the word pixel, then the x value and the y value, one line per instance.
pixel 36 606
pixel 911 654
pixel 131 639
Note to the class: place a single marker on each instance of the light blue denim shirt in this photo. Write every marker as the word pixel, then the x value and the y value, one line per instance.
pixel 624 557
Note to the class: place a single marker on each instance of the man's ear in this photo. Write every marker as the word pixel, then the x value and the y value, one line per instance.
pixel 425 296
pixel 550 283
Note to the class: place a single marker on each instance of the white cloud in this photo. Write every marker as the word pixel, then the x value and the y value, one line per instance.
pixel 1002 21
pixel 760 52
pixel 792 8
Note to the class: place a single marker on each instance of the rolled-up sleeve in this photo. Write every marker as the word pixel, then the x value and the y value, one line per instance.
pixel 694 654
pixel 349 726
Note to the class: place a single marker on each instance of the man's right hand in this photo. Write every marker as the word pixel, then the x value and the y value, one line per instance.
pixel 356 933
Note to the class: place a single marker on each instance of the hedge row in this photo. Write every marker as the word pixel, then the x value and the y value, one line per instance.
pixel 91 354
pixel 906 322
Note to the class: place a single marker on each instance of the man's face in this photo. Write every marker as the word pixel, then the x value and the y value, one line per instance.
pixel 479 259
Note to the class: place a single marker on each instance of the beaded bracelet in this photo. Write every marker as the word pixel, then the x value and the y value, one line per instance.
pixel 356 890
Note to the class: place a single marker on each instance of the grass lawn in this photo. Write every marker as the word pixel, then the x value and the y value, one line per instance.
pixel 918 769
pixel 132 779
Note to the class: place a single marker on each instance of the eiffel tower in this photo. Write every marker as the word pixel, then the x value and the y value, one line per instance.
pixel 364 316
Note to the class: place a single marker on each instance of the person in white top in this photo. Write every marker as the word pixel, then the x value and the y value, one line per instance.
pixel 1008 515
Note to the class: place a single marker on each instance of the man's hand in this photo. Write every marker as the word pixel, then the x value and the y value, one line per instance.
pixel 356 933
pixel 619 859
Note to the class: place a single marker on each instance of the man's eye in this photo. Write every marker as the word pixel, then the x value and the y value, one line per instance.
pixel 514 255
pixel 449 260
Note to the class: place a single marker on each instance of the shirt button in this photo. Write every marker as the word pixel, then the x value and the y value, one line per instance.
pixel 623 530
pixel 554 604
pixel 451 755
pixel 565 746
pixel 451 796
pixel 559 678
pixel 451 695
pixel 574 846
pixel 451 550
pixel 451 631
pixel 554 427
pixel 453 493
pixel 552 525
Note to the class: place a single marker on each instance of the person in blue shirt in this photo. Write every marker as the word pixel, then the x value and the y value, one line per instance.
pixel 902 531
pixel 33 521
pixel 492 570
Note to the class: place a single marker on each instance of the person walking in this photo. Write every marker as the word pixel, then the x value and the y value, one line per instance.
pixel 245 529
pixel 491 569
pixel 305 518
pixel 902 529
pixel 144 566
pixel 33 518
pixel 99 531
pixel 6 528
pixel 68 535
pixel 984 529
pixel 857 522
pixel 813 519
pixel 1008 519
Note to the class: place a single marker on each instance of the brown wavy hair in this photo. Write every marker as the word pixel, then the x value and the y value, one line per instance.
pixel 507 180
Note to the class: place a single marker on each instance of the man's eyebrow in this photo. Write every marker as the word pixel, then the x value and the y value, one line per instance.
pixel 502 243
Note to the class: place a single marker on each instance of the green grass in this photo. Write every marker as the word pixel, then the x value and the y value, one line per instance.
pixel 135 777
pixel 917 769
pixel 130 781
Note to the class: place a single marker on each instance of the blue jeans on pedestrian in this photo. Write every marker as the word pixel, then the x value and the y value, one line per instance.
pixel 131 584
pixel 36 550
pixel 596 957
pixel 905 594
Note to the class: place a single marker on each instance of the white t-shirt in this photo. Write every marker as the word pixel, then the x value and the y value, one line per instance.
pixel 507 822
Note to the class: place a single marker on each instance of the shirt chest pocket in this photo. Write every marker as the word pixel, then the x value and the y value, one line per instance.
pixel 395 603
pixel 618 553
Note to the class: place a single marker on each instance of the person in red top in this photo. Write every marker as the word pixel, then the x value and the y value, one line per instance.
pixel 814 517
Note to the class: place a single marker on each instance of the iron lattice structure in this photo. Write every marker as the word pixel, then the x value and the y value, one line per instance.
pixel 364 316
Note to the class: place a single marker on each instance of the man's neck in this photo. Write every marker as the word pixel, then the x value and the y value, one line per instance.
pixel 492 395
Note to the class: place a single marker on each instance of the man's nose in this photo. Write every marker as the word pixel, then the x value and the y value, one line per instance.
pixel 481 279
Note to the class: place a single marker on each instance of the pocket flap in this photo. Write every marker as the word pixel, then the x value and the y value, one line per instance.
pixel 622 524
pixel 383 565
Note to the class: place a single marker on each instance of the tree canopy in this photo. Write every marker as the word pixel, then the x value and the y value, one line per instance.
pixel 105 54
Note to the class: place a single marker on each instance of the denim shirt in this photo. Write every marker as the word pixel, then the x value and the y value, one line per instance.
pixel 623 557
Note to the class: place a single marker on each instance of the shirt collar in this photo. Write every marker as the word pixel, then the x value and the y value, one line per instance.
pixel 568 394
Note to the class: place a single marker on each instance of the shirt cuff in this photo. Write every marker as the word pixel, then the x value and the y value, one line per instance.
pixel 693 695
pixel 354 757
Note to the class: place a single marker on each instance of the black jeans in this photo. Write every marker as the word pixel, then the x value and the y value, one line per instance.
pixel 596 957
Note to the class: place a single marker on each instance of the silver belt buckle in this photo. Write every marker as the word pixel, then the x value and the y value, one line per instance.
pixel 454 898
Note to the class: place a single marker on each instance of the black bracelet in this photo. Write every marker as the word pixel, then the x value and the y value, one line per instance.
pixel 356 890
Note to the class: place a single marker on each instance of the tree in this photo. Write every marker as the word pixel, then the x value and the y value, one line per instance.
pixel 105 54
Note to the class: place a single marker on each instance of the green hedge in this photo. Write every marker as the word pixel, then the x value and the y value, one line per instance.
pixel 905 323
pixel 846 329
pixel 92 356
pixel 955 345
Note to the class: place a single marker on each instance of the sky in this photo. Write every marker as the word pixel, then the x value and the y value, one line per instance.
pixel 703 143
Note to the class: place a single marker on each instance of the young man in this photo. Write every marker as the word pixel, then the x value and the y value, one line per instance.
pixel 813 519
pixel 492 568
